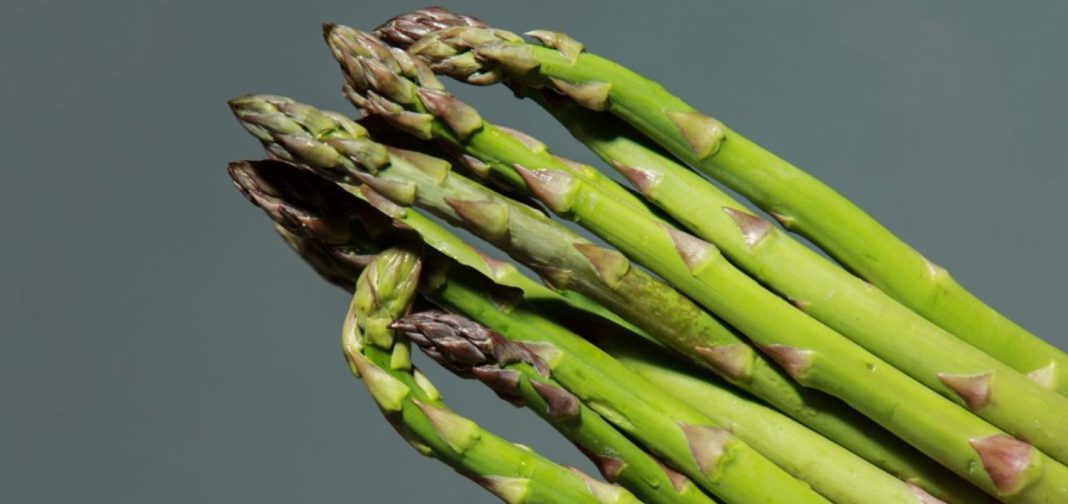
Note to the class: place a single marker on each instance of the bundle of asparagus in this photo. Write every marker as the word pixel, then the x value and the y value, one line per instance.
pixel 703 354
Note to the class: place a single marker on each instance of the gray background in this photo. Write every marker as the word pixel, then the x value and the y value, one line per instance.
pixel 159 344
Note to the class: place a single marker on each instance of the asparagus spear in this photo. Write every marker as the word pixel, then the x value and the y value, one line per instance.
pixel 548 246
pixel 511 369
pixel 480 55
pixel 410 402
pixel 859 483
pixel 327 231
pixel 758 424
pixel 821 288
pixel 813 354
pixel 713 458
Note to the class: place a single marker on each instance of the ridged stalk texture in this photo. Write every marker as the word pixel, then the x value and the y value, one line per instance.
pixel 802 203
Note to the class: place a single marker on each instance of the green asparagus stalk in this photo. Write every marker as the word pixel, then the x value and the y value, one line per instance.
pixel 480 55
pixel 709 455
pixel 319 212
pixel 275 187
pixel 813 354
pixel 760 425
pixel 822 289
pixel 511 369
pixel 412 404
pixel 657 308
pixel 546 245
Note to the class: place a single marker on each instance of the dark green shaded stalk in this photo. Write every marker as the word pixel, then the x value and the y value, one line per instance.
pixel 481 55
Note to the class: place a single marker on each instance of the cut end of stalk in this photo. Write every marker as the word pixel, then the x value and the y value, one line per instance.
pixel 553 187
pixel 563 405
pixel 611 265
pixel 794 361
pixel 754 229
pixel 1006 459
pixel 643 179
pixel 694 251
pixel 734 360
pixel 486 218
pixel 702 133
pixel 973 389
pixel 707 445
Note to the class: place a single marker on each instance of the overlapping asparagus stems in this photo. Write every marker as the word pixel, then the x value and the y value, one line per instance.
pixel 531 236
pixel 318 213
pixel 827 292
pixel 822 289
pixel 469 51
pixel 813 354
pixel 668 427
pixel 671 317
pixel 835 472
pixel 411 403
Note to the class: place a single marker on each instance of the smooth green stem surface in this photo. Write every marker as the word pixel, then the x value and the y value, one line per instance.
pixel 826 291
